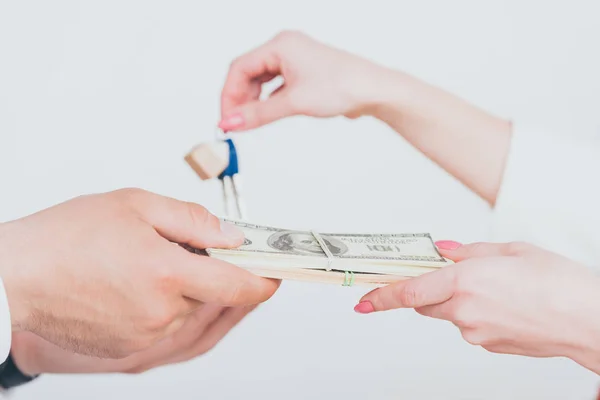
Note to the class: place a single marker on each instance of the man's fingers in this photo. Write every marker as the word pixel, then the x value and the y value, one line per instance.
pixel 195 325
pixel 169 349
pixel 430 288
pixel 175 326
pixel 458 252
pixel 210 280
pixel 209 336
pixel 183 222
pixel 217 330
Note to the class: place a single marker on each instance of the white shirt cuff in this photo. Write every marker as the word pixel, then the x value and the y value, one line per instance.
pixel 550 194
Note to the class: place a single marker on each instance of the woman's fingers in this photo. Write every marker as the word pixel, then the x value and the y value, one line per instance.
pixel 246 76
pixel 430 288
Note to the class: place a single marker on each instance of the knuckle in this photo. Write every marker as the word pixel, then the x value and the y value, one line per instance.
pixel 130 198
pixel 236 294
pixel 407 295
pixel 472 336
pixel 200 216
pixel 474 249
pixel 165 279
pixel 288 34
pixel 158 319
pixel 461 285
pixel 461 315
pixel 478 338
pixel 517 248
pixel 129 193
pixel 464 280
pixel 235 63
pixel 455 277
pixel 246 293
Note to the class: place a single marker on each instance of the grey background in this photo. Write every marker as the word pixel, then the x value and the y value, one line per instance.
pixel 97 95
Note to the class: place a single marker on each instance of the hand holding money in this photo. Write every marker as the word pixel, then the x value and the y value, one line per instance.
pixel 339 258
pixel 511 298
pixel 100 275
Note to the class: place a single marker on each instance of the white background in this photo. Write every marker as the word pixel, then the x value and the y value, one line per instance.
pixel 98 95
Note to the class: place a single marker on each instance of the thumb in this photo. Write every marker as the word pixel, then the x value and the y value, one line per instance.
pixel 427 289
pixel 458 252
pixel 184 222
pixel 258 113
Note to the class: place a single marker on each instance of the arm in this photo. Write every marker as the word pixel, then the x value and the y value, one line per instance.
pixel 200 333
pixel 467 142
pixel 32 355
pixel 541 186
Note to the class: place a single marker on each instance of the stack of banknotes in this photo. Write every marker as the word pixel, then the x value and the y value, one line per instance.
pixel 339 258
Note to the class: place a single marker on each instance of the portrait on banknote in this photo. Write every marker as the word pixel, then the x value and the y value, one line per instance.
pixel 304 243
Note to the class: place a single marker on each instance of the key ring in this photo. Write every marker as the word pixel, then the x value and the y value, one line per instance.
pixel 219 159
pixel 230 181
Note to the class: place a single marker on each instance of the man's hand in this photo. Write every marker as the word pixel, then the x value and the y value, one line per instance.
pixel 103 274
pixel 204 328
pixel 508 298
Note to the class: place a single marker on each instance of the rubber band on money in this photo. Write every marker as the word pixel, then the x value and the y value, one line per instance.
pixel 325 248
pixel 348 278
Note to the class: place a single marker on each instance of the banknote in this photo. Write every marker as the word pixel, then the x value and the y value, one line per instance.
pixel 292 252
pixel 418 247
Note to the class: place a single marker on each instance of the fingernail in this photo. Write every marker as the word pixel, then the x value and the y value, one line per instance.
pixel 232 232
pixel 232 122
pixel 447 245
pixel 364 307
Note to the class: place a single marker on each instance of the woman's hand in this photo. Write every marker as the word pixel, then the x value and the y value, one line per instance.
pixel 319 81
pixel 205 327
pixel 508 298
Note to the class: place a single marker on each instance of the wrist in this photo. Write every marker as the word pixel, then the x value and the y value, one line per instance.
pixel 24 352
pixel 376 89
pixel 12 376
pixel 391 92
pixel 583 346
pixel 586 354
pixel 13 279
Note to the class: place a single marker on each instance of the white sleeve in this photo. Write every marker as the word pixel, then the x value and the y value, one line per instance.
pixel 5 325
pixel 550 194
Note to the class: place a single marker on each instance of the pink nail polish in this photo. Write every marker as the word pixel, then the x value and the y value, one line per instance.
pixel 232 122
pixel 364 307
pixel 447 245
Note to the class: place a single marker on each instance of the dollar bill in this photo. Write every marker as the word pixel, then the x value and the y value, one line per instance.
pixel 329 257
pixel 406 247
